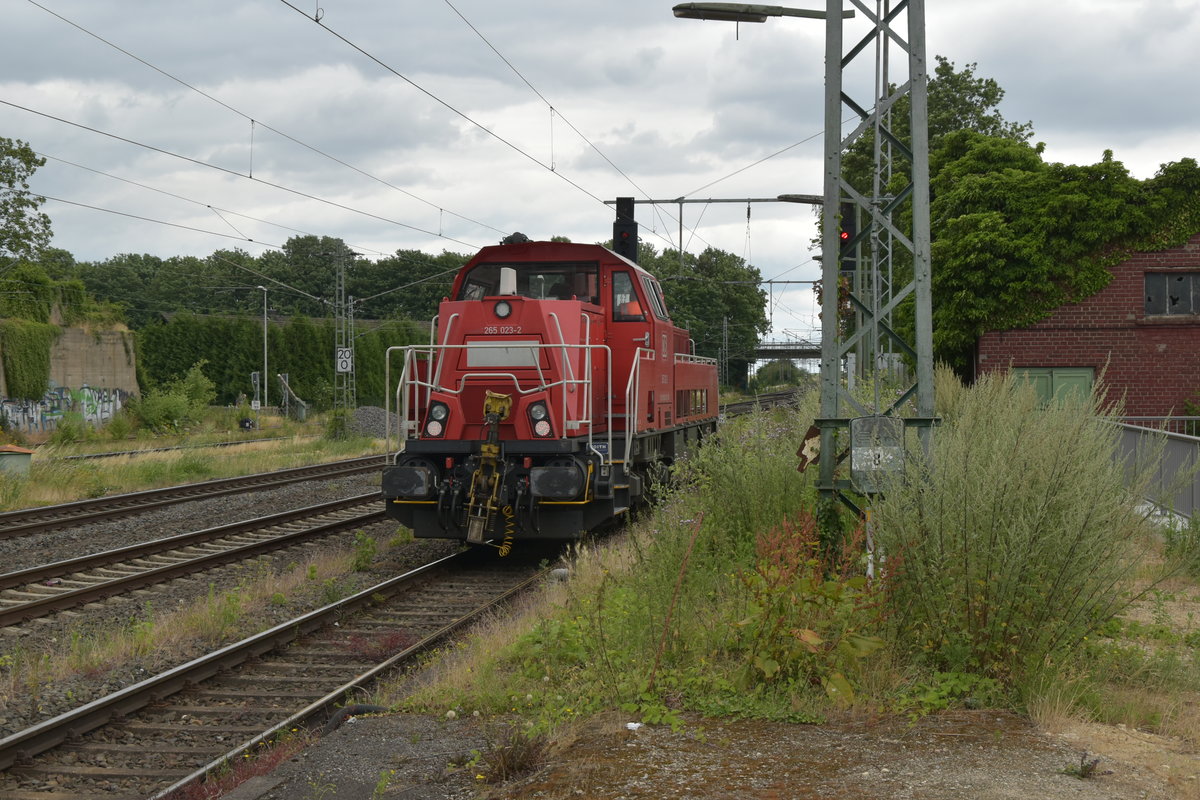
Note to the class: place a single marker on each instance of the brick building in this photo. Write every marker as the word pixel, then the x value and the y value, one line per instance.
pixel 1142 331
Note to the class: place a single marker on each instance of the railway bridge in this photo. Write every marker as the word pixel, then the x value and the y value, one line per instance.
pixel 788 348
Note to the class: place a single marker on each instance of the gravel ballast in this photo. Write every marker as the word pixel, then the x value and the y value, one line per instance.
pixel 65 633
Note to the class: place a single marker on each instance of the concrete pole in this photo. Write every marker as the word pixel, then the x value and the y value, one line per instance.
pixel 265 380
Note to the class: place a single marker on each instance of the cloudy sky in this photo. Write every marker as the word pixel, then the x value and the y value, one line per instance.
pixel 176 127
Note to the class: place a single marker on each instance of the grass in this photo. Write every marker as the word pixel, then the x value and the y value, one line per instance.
pixel 158 636
pixel 653 623
pixel 54 480
pixel 723 601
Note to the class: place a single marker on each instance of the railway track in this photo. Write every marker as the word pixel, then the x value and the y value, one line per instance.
pixel 38 591
pixel 766 400
pixel 170 730
pixel 44 518
pixel 210 445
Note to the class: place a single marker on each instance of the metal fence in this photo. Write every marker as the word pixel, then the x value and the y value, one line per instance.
pixel 1186 425
pixel 1176 485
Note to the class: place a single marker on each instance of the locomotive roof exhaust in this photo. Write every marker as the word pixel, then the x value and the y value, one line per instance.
pixel 625 230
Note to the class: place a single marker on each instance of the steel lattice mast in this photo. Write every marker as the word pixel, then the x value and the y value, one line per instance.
pixel 892 244
pixel 345 394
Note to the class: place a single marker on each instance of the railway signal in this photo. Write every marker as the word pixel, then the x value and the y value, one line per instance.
pixel 848 236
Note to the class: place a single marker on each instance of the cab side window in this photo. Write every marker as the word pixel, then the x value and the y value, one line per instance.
pixel 625 304
pixel 656 298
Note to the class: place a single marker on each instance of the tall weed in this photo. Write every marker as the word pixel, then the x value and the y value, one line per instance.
pixel 812 614
pixel 1183 545
pixel 1014 539
pixel 719 600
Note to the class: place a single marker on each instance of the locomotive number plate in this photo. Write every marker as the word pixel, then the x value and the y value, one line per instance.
pixel 493 329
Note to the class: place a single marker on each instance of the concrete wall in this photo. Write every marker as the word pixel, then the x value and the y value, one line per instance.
pixel 1152 361
pixel 92 373
pixel 100 359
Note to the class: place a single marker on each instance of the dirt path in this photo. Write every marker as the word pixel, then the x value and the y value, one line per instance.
pixel 979 755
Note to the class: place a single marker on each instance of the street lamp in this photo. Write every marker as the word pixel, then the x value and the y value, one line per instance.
pixel 883 218
pixel 745 12
pixel 264 373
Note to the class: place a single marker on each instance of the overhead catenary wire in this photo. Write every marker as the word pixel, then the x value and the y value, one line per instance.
pixel 254 122
pixel 237 227
pixel 234 173
pixel 215 209
pixel 159 221
pixel 460 114
pixel 553 110
pixel 428 93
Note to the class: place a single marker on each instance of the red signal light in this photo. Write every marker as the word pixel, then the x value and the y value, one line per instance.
pixel 845 235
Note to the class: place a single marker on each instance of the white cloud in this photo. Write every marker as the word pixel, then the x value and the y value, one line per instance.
pixel 675 104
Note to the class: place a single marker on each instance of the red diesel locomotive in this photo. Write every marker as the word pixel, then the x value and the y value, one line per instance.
pixel 554 391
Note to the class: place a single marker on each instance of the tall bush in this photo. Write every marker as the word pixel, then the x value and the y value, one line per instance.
pixel 1013 540
pixel 175 405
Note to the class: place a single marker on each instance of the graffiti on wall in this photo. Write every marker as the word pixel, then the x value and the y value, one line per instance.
pixel 96 406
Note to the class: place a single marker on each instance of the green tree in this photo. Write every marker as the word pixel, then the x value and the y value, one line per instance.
pixel 26 292
pixel 779 372
pixel 24 230
pixel 1015 237
pixel 123 280
pixel 714 295
pixel 59 264
pixel 958 100
pixel 309 265
pixel 409 284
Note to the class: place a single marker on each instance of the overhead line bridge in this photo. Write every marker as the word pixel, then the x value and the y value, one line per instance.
pixel 790 348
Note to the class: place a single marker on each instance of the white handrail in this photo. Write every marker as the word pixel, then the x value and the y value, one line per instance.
pixel 410 379
pixel 445 338
pixel 632 393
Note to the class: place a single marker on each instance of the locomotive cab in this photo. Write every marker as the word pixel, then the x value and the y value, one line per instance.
pixel 548 398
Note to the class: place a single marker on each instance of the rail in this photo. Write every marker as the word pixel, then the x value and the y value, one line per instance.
pixel 1185 425
pixel 42 518
pixel 1176 483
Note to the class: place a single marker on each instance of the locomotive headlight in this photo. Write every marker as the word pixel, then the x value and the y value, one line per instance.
pixel 503 309
pixel 435 424
pixel 539 415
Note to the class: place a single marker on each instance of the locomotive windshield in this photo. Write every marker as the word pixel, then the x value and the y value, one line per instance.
pixel 537 280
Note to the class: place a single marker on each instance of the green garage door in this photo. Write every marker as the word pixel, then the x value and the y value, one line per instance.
pixel 1056 382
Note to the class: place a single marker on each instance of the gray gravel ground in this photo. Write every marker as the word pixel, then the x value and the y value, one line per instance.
pixel 976 755
pixel 951 756
pixel 427 758
pixel 21 706
pixel 372 421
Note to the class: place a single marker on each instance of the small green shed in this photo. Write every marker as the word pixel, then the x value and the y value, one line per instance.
pixel 15 460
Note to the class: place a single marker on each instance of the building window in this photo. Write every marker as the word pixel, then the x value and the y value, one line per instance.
pixel 1172 294
pixel 1057 383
